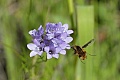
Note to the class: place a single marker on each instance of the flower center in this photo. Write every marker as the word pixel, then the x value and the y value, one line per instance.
pixel 50 52
pixel 38 49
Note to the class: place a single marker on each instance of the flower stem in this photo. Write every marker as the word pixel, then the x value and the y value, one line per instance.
pixel 33 75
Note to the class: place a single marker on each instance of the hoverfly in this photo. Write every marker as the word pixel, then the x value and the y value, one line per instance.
pixel 80 52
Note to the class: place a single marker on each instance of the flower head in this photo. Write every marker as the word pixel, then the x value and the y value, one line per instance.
pixel 37 34
pixel 55 41
pixel 54 28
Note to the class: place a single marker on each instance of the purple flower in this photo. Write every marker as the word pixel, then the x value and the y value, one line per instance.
pixel 54 28
pixel 37 34
pixel 51 52
pixel 59 31
pixel 37 46
pixel 55 41
pixel 34 49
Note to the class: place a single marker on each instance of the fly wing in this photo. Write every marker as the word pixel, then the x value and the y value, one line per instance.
pixel 84 46
pixel 77 49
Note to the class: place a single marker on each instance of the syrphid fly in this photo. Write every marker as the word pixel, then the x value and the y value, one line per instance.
pixel 80 52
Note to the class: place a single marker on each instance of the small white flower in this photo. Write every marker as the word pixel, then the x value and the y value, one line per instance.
pixel 34 50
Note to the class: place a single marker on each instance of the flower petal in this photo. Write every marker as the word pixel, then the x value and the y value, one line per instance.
pixel 69 31
pixel 47 49
pixel 63 35
pixel 40 30
pixel 63 45
pixel 40 27
pixel 58 49
pixel 65 27
pixel 32 53
pixel 50 36
pixel 32 32
pixel 68 46
pixel 63 52
pixel 31 46
pixel 68 39
pixel 40 53
pixel 49 56
pixel 56 56
pixel 36 42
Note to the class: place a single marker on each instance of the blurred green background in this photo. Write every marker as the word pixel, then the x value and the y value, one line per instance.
pixel 89 19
